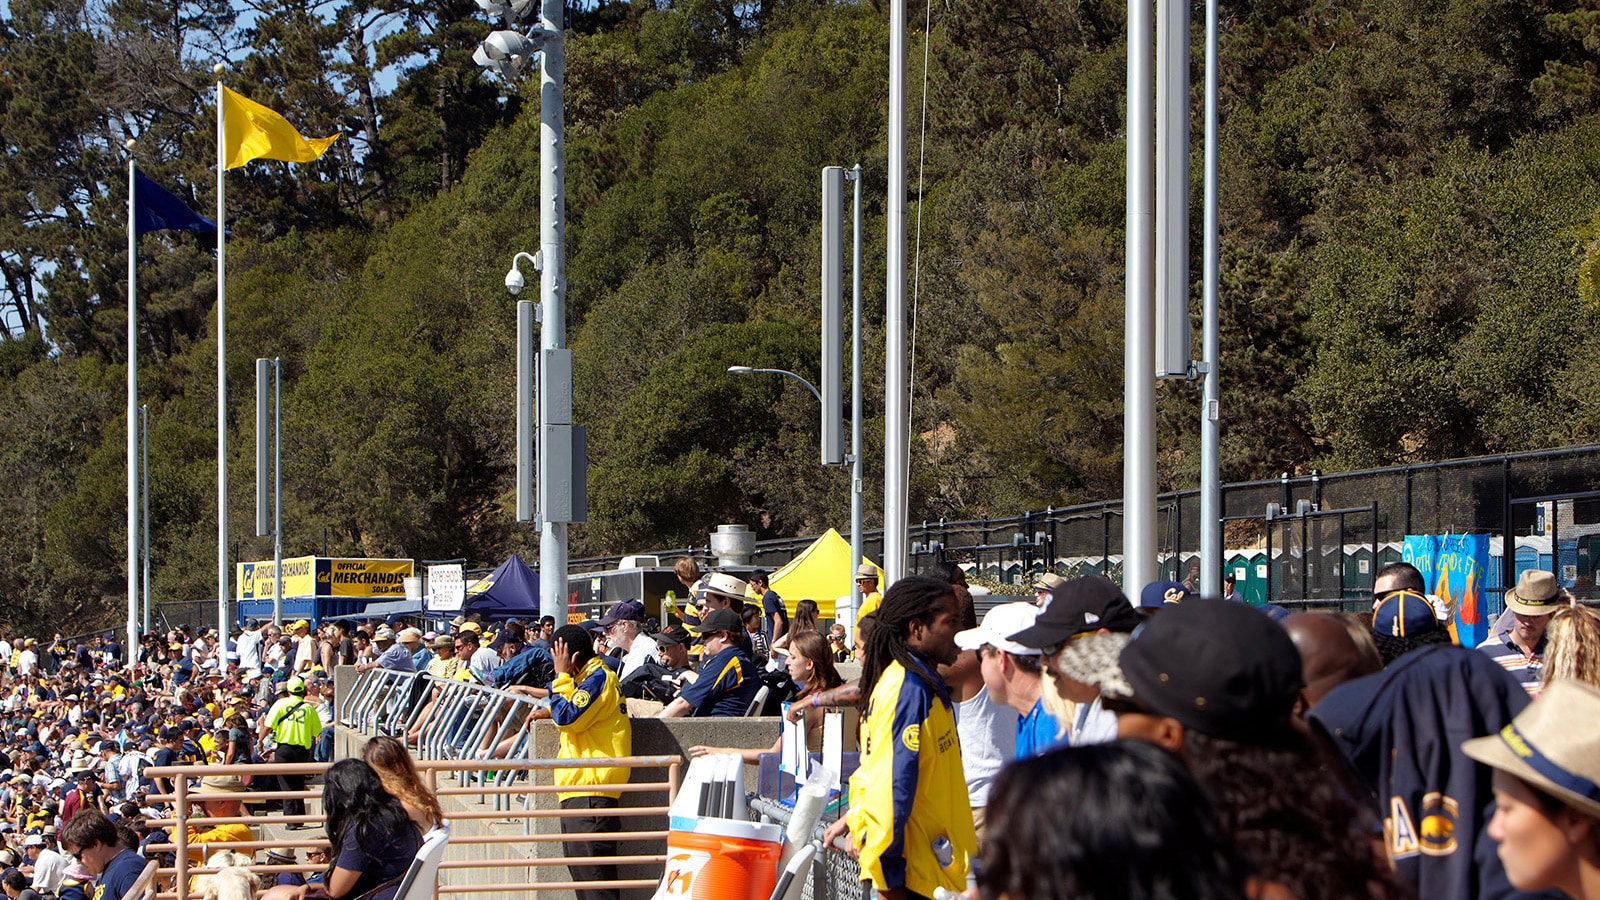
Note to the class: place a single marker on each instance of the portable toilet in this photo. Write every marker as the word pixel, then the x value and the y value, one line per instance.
pixel 1250 576
pixel 1358 570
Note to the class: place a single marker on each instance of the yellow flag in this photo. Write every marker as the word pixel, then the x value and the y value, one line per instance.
pixel 251 131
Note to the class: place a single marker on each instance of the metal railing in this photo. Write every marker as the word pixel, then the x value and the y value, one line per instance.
pixel 834 875
pixel 174 881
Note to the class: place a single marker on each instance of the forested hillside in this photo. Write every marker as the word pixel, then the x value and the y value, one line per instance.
pixel 1410 205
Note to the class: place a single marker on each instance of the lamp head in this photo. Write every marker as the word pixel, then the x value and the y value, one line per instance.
pixel 740 370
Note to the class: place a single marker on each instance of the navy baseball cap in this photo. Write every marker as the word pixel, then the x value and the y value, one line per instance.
pixel 1159 594
pixel 1404 614
pixel 1081 605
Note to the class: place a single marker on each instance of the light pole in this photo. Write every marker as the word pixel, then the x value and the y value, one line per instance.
pixel 853 457
pixel 560 468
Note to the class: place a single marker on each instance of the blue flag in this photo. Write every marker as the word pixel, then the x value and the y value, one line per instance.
pixel 156 209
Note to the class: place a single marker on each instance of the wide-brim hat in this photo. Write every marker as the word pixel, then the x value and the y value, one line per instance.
pixel 726 585
pixel 219 786
pixel 867 570
pixel 1049 581
pixel 1537 594
pixel 1550 745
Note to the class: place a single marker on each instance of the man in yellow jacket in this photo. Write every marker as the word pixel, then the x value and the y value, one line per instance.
pixel 587 706
pixel 910 822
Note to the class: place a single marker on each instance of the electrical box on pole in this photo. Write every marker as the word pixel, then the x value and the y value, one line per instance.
pixel 263 473
pixel 563 489
pixel 527 341
pixel 832 385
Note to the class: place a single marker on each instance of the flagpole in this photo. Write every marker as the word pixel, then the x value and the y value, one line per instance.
pixel 133 416
pixel 222 385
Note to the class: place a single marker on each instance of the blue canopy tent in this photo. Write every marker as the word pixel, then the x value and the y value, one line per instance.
pixel 509 592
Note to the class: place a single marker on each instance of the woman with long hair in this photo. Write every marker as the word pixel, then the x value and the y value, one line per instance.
pixel 805 619
pixel 1117 821
pixel 373 839
pixel 388 757
pixel 1572 648
pixel 810 665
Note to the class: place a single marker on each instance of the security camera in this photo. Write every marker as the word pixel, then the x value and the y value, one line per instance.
pixel 514 281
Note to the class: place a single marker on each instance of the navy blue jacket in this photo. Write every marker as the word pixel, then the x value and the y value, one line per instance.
pixel 1401 729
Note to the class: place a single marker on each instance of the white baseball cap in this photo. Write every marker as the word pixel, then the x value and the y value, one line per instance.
pixel 997 627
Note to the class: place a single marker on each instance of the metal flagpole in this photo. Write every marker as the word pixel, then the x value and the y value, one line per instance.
pixel 144 529
pixel 857 451
pixel 896 407
pixel 133 413
pixel 1139 388
pixel 222 377
pixel 1210 347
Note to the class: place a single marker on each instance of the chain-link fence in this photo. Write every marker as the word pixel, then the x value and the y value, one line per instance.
pixel 834 875
pixel 1315 539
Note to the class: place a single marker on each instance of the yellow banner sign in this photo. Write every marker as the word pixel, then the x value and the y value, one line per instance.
pixel 255 579
pixel 309 576
pixel 363 577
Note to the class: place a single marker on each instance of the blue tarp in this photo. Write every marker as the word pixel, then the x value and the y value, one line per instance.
pixel 509 592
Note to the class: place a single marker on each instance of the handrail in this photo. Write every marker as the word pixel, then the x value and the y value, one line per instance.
pixel 467 772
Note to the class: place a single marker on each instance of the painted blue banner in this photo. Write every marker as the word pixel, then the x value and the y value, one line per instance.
pixel 1455 567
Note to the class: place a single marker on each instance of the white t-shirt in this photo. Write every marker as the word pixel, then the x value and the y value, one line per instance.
pixel 249 645
pixel 47 871
pixel 988 733
pixel 27 662
pixel 483 662
pixel 644 648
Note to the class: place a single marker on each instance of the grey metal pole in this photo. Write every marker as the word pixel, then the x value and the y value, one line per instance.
pixel 133 410
pixel 856 449
pixel 896 407
pixel 1210 350
pixel 553 284
pixel 277 496
pixel 222 371
pixel 526 413
pixel 144 530
pixel 1139 394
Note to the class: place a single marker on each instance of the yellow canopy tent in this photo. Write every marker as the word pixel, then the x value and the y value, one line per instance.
pixel 821 573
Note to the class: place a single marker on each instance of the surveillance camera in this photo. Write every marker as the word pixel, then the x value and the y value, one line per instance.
pixel 514 281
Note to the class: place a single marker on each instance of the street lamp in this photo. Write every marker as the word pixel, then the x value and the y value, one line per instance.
pixel 853 458
pixel 747 370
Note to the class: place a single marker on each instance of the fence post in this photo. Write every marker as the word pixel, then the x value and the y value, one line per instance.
pixel 180 833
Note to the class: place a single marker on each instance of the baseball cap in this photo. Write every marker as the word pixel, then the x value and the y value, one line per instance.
pixel 997 627
pixel 623 610
pixel 1404 614
pixel 1079 605
pixel 721 620
pixel 471 626
pixel 1160 594
pixel 510 634
pixel 1223 669
pixel 675 634
pixel 299 623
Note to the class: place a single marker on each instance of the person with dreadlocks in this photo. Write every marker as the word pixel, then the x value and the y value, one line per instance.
pixel 910 824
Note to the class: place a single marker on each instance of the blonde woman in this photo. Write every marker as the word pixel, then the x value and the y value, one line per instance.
pixel 1572 646
pixel 388 757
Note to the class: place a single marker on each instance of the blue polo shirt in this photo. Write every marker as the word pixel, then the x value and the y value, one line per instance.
pixel 726 685
pixel 1038 732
